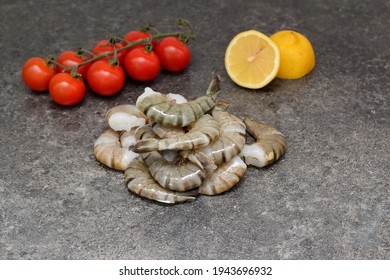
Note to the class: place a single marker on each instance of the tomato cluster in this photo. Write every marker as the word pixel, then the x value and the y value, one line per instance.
pixel 104 68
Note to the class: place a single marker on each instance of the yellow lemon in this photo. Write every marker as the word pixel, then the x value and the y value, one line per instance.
pixel 296 54
pixel 252 59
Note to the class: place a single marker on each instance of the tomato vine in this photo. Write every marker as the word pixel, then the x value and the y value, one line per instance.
pixel 184 37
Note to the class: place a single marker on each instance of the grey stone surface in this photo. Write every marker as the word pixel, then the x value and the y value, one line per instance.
pixel 328 198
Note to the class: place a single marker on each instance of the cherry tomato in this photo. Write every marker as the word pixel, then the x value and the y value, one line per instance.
pixel 105 79
pixel 66 90
pixel 173 54
pixel 142 65
pixel 69 59
pixel 36 74
pixel 104 47
pixel 136 35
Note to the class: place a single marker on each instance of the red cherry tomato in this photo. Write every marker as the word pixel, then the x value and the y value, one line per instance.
pixel 69 59
pixel 136 35
pixel 173 54
pixel 66 90
pixel 36 74
pixel 104 47
pixel 105 79
pixel 142 65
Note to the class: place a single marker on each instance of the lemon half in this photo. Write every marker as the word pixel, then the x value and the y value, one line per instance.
pixel 296 54
pixel 252 59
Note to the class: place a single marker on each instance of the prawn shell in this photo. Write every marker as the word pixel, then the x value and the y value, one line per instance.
pixel 204 131
pixel 160 110
pixel 171 114
pixel 231 139
pixel 139 181
pixel 108 151
pixel 270 144
pixel 176 177
pixel 224 178
pixel 167 131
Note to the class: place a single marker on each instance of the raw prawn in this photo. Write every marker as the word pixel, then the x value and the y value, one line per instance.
pixel 176 176
pixel 170 131
pixel 108 150
pixel 139 181
pixel 224 178
pixel 125 117
pixel 231 139
pixel 204 131
pixel 160 110
pixel 270 144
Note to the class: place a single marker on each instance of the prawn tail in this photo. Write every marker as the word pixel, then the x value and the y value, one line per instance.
pixel 146 145
pixel 222 104
pixel 214 88
pixel 187 196
pixel 201 160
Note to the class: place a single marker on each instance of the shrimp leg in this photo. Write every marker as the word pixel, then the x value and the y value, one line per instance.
pixel 139 181
pixel 270 144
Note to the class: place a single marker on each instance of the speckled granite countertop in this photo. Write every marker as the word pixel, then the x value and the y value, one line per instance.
pixel 328 198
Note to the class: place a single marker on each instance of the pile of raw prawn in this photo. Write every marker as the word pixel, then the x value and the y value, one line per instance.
pixel 172 149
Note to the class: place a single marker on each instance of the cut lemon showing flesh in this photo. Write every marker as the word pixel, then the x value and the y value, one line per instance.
pixel 252 59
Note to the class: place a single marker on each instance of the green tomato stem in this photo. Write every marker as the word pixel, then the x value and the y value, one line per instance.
pixel 55 62
pixel 73 73
pixel 83 53
pixel 49 60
